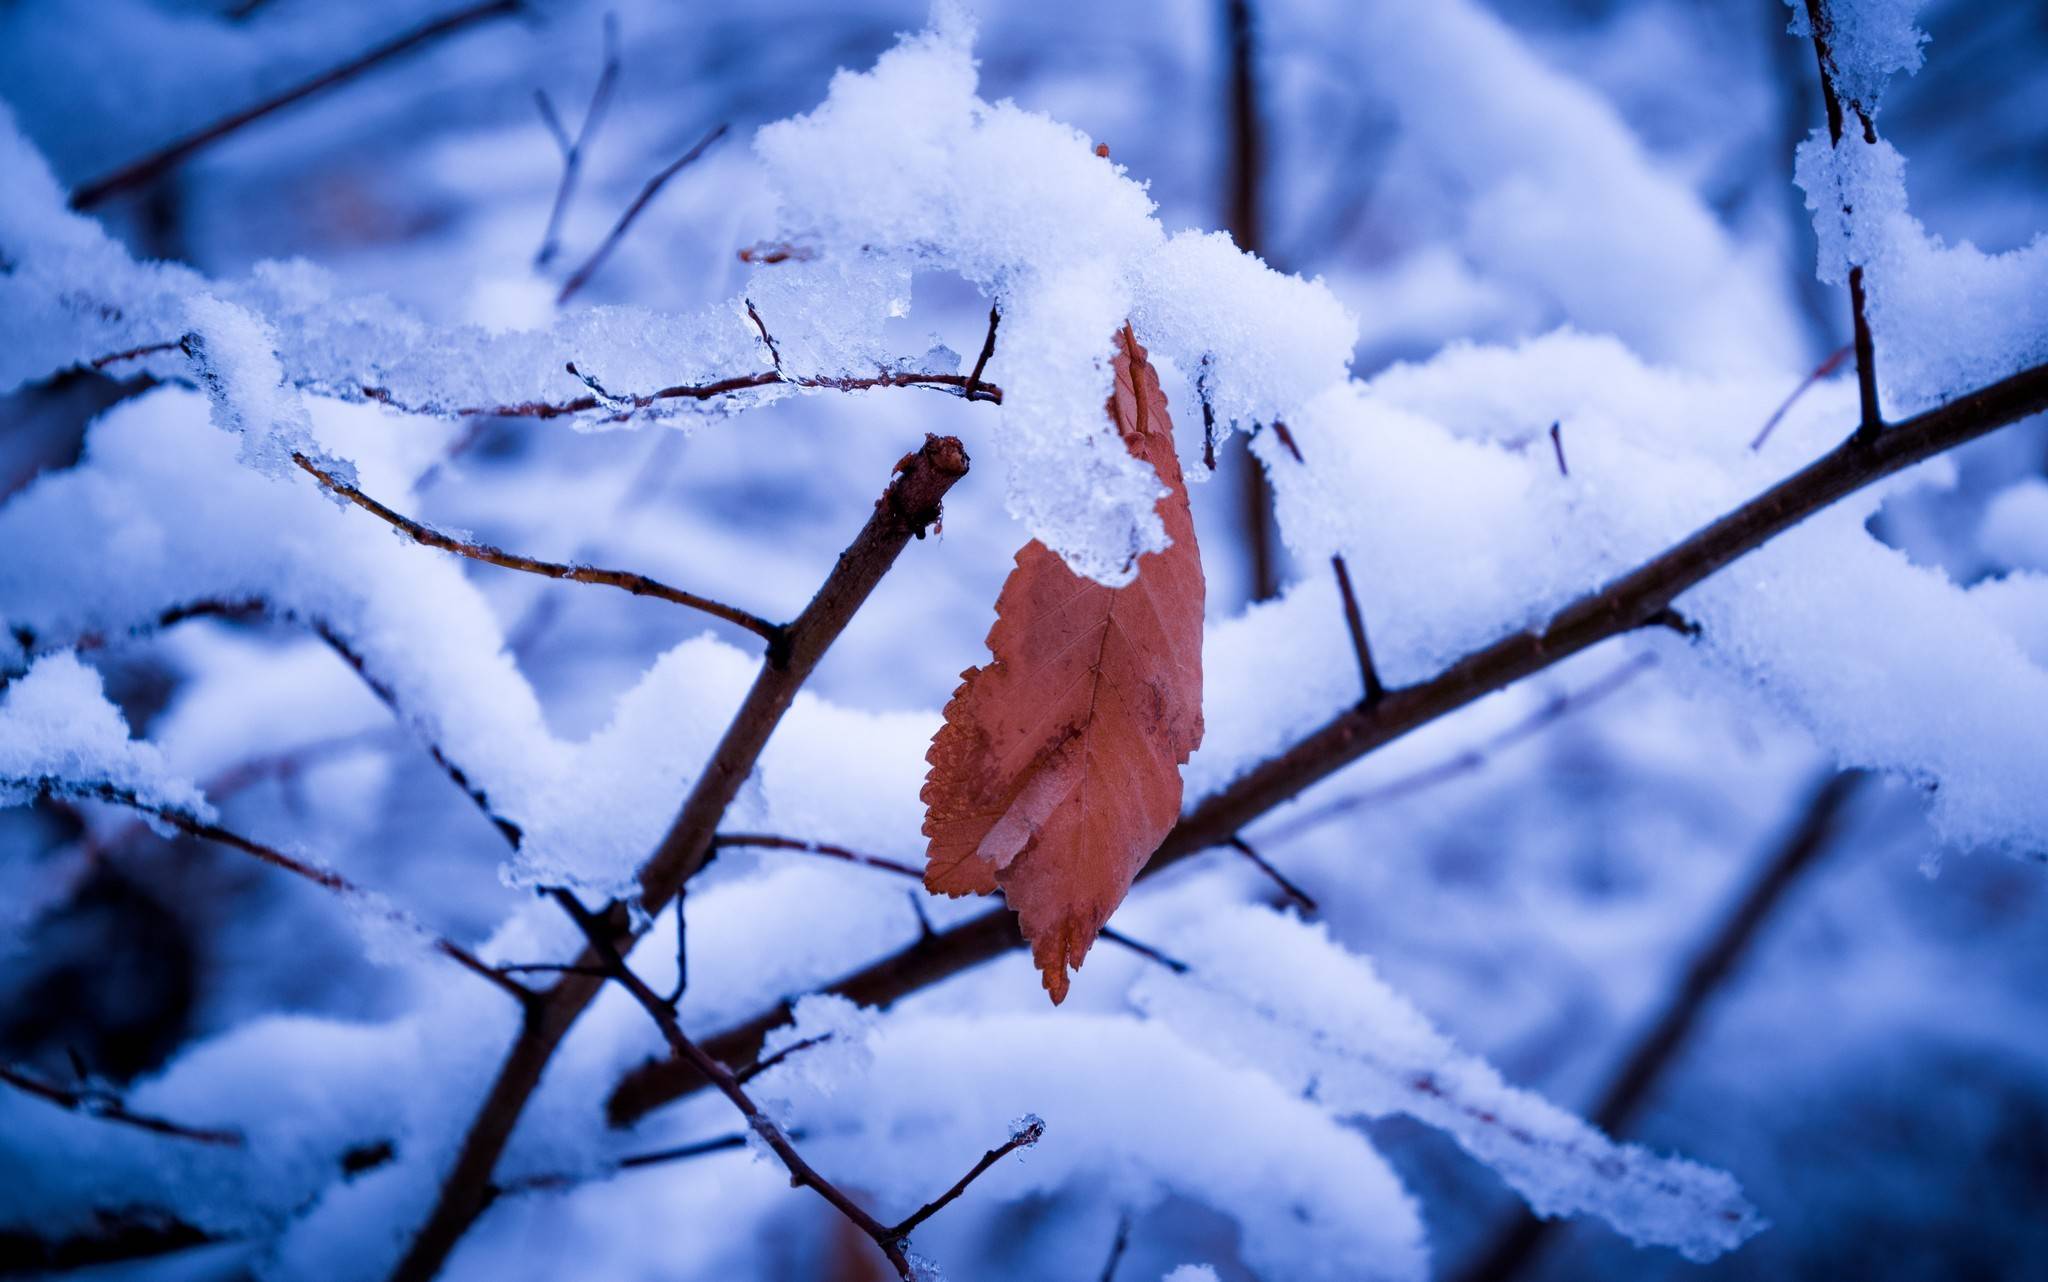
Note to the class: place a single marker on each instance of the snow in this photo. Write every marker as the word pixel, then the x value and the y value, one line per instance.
pixel 57 729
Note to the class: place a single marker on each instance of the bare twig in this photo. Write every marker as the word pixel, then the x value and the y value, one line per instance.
pixel 1636 599
pixel 623 580
pixel 1245 218
pixel 1029 1131
pixel 1278 878
pixel 907 508
pixel 1557 447
pixel 325 878
pixel 1820 21
pixel 1354 623
pixel 765 841
pixel 774 352
pixel 572 148
pixel 760 1066
pixel 1515 1245
pixel 988 350
pixel 108 1107
pixel 1116 1247
pixel 582 275
pixel 1474 758
pixel 171 155
pixel 132 353
pixel 1147 951
pixel 1820 371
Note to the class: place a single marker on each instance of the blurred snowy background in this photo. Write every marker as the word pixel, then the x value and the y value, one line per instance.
pixel 1873 1065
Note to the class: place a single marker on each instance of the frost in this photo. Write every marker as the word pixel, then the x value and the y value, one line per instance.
pixel 233 354
pixel 1272 992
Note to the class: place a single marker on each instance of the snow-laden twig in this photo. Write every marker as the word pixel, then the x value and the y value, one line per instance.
pixel 1640 598
pixel 1820 22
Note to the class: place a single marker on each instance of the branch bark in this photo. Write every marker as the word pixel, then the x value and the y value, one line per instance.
pixel 1640 598
pixel 906 509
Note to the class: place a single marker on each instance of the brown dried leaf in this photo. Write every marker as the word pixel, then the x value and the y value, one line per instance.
pixel 1057 771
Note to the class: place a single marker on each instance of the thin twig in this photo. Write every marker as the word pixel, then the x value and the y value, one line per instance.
pixel 1515 1245
pixel 1819 372
pixel 108 1107
pixel 1821 23
pixel 1556 707
pixel 760 1066
pixel 1557 447
pixel 988 349
pixel 572 149
pixel 1354 623
pixel 1145 950
pixel 325 878
pixel 766 841
pixel 1027 1134
pixel 132 353
pixel 1633 600
pixel 908 507
pixel 1278 878
pixel 774 352
pixel 1116 1247
pixel 170 156
pixel 623 580
pixel 582 275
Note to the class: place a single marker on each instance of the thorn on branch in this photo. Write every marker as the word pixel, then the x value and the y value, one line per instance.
pixel 171 155
pixel 1672 619
pixel 582 275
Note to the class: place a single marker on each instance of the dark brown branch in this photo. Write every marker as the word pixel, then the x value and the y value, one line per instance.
pixel 907 508
pixel 1634 600
pixel 325 878
pixel 623 580
pixel 1145 950
pixel 1116 1247
pixel 1354 623
pixel 1821 22
pixel 1278 878
pixel 1820 371
pixel 572 148
pixel 988 350
pixel 1244 216
pixel 1516 1245
pixel 108 1107
pixel 582 275
pixel 173 154
pixel 1032 1131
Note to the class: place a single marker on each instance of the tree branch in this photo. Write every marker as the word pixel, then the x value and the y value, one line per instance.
pixel 623 580
pixel 1821 22
pixel 325 878
pixel 582 275
pixel 1634 600
pixel 108 1107
pixel 1516 1244
pixel 171 155
pixel 572 149
pixel 906 509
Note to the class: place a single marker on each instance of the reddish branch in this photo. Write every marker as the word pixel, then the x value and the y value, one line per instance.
pixel 906 510
pixel 1821 22
pixel 108 1107
pixel 572 148
pixel 171 155
pixel 1641 598
pixel 1516 1245
pixel 624 580
pixel 1820 371
pixel 582 275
